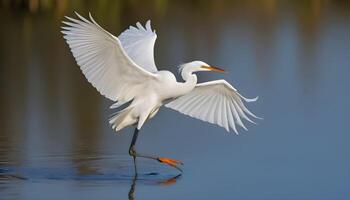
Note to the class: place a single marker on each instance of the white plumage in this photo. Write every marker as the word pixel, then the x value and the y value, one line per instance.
pixel 103 60
pixel 216 102
pixel 138 43
pixel 123 70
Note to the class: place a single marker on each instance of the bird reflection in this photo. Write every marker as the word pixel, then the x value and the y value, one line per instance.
pixel 132 188
pixel 166 182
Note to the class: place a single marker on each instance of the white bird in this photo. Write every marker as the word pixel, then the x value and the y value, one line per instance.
pixel 123 70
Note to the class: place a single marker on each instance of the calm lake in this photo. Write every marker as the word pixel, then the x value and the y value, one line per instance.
pixel 56 143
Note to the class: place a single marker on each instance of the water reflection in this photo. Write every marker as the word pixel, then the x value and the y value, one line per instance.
pixel 109 169
pixel 166 182
pixel 293 54
pixel 132 188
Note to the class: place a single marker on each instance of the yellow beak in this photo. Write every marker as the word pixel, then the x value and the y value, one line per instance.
pixel 214 69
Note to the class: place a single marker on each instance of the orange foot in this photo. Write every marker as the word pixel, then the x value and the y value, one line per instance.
pixel 171 162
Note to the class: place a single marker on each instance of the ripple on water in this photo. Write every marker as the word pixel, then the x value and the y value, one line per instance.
pixel 107 168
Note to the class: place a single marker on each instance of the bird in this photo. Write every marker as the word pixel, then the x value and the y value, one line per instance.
pixel 123 70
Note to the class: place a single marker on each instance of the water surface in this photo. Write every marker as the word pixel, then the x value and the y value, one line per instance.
pixel 55 142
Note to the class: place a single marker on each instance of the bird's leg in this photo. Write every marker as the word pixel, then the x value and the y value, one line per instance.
pixel 134 154
pixel 132 150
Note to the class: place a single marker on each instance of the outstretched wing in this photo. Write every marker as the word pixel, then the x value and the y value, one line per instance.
pixel 103 61
pixel 138 42
pixel 216 102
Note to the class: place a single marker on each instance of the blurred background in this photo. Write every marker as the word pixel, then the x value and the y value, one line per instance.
pixel 55 141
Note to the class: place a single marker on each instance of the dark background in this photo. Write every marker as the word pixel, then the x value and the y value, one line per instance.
pixel 55 142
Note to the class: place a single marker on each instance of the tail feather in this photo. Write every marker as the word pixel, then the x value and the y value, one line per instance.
pixel 117 104
pixel 118 118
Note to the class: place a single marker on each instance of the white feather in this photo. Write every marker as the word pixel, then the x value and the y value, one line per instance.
pixel 103 60
pixel 139 44
pixel 215 102
pixel 123 70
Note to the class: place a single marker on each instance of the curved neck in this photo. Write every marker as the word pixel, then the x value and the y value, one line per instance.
pixel 190 82
pixel 187 75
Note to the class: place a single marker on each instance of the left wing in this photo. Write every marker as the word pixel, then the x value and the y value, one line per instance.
pixel 138 42
pixel 103 60
pixel 216 102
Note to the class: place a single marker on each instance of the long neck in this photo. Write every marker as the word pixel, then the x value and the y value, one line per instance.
pixel 190 81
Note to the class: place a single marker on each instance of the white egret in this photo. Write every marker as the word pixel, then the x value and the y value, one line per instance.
pixel 123 70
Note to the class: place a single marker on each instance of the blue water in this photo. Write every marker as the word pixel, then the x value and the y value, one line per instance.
pixel 55 142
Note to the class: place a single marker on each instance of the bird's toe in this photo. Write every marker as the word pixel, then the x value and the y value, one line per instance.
pixel 171 162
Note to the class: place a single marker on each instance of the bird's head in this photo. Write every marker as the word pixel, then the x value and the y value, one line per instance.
pixel 197 66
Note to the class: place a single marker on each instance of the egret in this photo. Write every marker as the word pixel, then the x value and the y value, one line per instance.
pixel 123 70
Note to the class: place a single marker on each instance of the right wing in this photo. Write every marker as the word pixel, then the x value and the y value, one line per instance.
pixel 138 42
pixel 103 61
pixel 216 102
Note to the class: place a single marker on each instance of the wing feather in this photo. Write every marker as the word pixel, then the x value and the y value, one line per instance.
pixel 211 113
pixel 205 109
pixel 224 114
pixel 241 113
pixel 232 120
pixel 216 102
pixel 138 42
pixel 103 60
pixel 218 111
pixel 197 105
pixel 236 116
